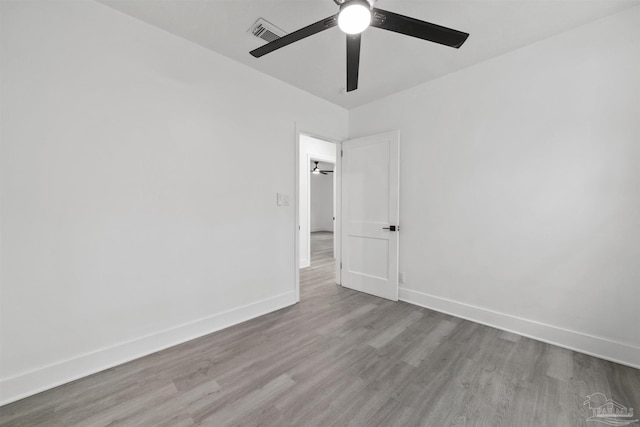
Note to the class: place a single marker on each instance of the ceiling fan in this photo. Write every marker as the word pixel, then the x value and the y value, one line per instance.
pixel 354 17
pixel 316 170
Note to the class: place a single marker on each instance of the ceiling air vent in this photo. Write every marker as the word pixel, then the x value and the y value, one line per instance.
pixel 266 30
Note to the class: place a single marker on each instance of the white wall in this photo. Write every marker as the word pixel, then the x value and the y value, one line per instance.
pixel 135 213
pixel 321 199
pixel 520 189
pixel 310 148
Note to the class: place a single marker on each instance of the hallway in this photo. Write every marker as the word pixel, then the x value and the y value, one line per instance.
pixel 321 273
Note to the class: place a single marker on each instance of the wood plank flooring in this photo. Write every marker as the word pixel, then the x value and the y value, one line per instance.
pixel 340 358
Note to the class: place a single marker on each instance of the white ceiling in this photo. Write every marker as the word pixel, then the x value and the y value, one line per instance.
pixel 389 62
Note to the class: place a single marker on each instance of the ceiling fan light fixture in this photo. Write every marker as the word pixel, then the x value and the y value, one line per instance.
pixel 354 16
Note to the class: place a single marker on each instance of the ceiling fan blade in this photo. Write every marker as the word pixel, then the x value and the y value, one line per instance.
pixel 326 171
pixel 353 61
pixel 302 33
pixel 416 28
pixel 323 172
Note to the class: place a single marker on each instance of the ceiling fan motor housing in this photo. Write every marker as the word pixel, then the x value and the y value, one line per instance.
pixel 341 2
pixel 365 3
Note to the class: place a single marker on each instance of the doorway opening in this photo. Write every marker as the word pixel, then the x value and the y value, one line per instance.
pixel 318 207
pixel 322 214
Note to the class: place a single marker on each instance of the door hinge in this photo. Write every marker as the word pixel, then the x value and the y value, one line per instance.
pixel 340 265
pixel 341 153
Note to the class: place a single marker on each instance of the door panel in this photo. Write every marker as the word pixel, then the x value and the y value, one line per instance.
pixel 370 188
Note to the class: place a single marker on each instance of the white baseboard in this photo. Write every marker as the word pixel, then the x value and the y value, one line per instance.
pixel 603 348
pixel 305 262
pixel 47 377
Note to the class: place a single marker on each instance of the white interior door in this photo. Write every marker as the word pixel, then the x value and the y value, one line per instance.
pixel 370 209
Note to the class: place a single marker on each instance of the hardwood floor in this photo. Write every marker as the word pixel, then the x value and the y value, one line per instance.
pixel 340 358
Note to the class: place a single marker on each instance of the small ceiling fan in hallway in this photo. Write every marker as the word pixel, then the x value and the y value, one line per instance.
pixel 354 17
pixel 317 171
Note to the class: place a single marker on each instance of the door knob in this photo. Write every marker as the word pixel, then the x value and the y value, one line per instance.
pixel 392 228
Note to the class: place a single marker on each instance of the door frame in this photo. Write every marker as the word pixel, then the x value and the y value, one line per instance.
pixel 314 133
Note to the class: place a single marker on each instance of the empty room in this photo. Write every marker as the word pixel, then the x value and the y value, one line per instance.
pixel 320 213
